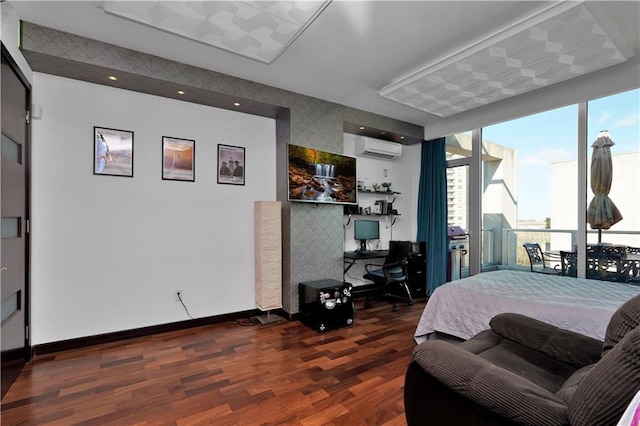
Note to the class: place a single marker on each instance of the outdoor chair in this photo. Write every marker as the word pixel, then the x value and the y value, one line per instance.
pixel 541 262
pixel 569 263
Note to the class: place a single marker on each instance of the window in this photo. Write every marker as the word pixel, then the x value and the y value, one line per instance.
pixel 530 184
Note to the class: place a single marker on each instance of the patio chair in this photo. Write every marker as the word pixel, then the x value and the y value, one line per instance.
pixel 540 262
pixel 569 263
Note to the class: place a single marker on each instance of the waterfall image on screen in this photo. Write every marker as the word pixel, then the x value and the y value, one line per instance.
pixel 321 177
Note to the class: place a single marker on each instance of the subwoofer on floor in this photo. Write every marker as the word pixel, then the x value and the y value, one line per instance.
pixel 326 304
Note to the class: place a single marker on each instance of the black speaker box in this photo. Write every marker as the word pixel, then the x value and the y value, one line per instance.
pixel 326 304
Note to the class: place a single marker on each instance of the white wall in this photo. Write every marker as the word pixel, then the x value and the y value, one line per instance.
pixel 403 173
pixel 108 252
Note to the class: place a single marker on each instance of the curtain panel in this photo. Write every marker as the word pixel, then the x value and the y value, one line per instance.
pixel 432 211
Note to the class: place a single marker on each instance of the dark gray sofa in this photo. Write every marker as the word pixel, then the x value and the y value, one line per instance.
pixel 525 372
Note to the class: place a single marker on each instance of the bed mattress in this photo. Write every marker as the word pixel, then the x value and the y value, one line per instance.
pixel 463 308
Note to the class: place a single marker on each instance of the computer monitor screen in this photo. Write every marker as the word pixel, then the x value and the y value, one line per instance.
pixel 364 230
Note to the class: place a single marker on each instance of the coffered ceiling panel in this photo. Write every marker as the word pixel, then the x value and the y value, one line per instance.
pixel 441 64
pixel 259 30
pixel 564 41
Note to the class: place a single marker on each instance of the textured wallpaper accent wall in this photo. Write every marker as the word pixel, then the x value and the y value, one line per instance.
pixel 312 236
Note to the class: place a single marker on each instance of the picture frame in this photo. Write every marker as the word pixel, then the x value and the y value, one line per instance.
pixel 112 152
pixel 231 165
pixel 178 159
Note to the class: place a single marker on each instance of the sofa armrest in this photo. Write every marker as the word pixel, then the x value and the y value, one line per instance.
pixel 493 388
pixel 564 345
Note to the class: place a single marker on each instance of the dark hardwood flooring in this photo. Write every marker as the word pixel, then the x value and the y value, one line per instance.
pixel 228 374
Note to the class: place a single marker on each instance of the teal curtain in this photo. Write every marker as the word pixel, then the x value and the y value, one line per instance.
pixel 432 211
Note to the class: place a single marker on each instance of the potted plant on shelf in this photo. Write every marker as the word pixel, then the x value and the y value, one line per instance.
pixel 386 186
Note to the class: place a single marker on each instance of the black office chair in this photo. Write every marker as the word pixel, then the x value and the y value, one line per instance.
pixel 540 262
pixel 392 275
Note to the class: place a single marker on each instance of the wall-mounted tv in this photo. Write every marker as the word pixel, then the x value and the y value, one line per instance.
pixel 321 177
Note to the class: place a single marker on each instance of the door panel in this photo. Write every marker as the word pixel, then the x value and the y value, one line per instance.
pixel 14 246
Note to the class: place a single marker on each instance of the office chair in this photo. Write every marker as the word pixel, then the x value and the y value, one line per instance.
pixel 392 275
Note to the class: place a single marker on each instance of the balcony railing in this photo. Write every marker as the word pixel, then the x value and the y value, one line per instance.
pixel 510 241
pixel 502 248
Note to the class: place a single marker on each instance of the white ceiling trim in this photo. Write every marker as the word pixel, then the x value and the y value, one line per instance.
pixel 255 29
pixel 563 41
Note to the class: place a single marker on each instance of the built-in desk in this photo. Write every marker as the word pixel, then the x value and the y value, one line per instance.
pixel 351 257
pixel 416 269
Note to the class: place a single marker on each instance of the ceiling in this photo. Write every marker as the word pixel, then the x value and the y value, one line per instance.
pixel 349 51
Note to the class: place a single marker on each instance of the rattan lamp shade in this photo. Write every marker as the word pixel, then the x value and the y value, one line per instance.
pixel 268 254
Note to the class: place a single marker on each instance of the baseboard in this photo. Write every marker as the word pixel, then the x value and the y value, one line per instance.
pixel 81 342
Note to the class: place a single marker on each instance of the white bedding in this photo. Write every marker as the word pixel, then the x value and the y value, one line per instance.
pixel 463 308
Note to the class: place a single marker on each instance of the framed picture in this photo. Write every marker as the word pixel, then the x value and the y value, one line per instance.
pixel 112 152
pixel 178 159
pixel 231 164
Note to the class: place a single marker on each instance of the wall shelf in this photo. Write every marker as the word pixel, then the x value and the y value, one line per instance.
pixel 365 191
pixel 373 214
pixel 387 200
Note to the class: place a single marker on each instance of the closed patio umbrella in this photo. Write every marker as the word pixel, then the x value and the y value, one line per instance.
pixel 602 212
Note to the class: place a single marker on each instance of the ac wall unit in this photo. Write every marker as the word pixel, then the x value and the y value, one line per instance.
pixel 377 148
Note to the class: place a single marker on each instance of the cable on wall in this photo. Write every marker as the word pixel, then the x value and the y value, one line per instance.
pixel 185 306
pixel 344 228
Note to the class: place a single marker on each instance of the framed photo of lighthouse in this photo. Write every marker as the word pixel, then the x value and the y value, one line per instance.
pixel 231 164
pixel 317 176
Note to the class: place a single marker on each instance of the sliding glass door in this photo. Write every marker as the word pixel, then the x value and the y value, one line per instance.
pixel 536 182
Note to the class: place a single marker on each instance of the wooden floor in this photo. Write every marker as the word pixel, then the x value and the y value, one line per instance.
pixel 228 374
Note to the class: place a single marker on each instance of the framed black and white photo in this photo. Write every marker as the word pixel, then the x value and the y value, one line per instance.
pixel 112 152
pixel 231 164
pixel 178 159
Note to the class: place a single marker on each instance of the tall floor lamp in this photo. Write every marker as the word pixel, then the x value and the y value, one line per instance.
pixel 268 259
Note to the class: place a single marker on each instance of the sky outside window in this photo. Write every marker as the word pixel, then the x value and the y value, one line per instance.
pixel 551 136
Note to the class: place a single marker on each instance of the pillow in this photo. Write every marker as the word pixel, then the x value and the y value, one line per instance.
pixel 608 388
pixel 623 320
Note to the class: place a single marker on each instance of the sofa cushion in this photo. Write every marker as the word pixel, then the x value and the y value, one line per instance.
pixel 564 345
pixel 623 320
pixel 604 393
pixel 495 389
pixel 571 384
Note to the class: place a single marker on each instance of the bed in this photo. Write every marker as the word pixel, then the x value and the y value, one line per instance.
pixel 463 308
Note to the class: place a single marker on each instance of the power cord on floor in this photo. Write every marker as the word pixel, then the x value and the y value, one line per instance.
pixel 185 306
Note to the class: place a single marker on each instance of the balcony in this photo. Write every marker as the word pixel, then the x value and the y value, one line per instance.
pixel 502 249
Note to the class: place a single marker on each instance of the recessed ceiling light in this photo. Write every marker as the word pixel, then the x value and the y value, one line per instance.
pixel 401 137
pixel 113 78
pixel 180 92
pixel 236 104
pixel 361 127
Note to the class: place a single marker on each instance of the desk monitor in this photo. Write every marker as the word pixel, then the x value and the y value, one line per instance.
pixel 364 230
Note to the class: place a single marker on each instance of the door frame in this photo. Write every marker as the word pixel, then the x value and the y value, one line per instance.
pixel 27 352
